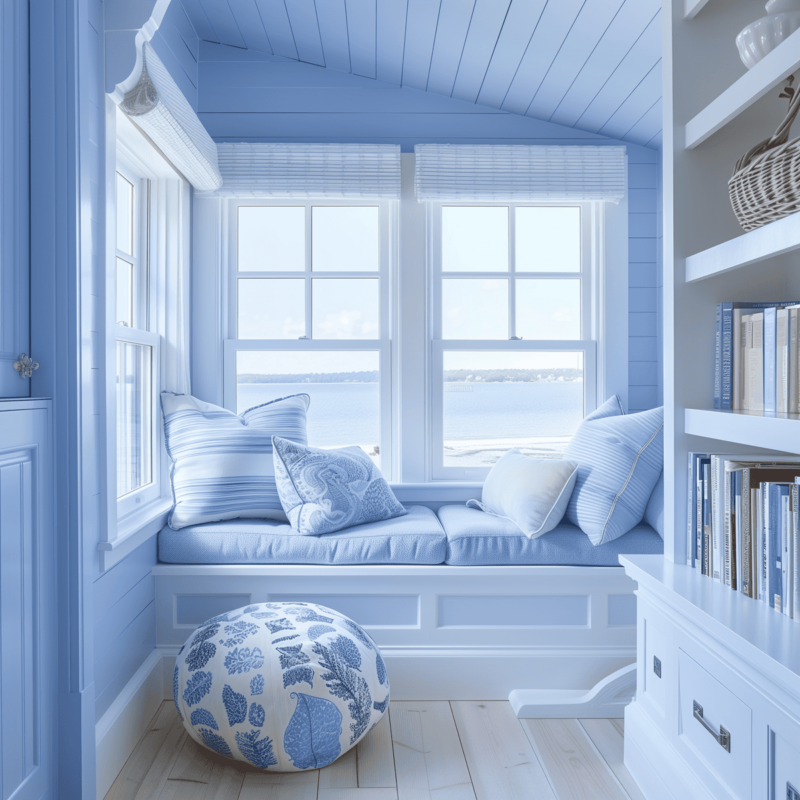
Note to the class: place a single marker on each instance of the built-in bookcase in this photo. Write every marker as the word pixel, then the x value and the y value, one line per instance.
pixel 714 111
pixel 717 709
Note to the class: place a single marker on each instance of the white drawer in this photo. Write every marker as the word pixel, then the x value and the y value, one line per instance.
pixel 720 709
pixel 785 771
pixel 657 665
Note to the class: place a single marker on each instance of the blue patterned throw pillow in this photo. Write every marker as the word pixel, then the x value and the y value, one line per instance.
pixel 222 464
pixel 620 458
pixel 323 491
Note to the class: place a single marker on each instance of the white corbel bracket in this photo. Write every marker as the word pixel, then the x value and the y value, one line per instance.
pixel 128 25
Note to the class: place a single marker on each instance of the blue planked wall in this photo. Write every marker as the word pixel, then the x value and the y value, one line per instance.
pixel 644 367
pixel 124 623
pixel 177 45
pixel 246 96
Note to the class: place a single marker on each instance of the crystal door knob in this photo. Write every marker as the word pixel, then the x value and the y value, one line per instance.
pixel 25 365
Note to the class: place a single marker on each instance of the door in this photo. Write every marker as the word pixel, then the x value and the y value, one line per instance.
pixel 14 197
pixel 27 602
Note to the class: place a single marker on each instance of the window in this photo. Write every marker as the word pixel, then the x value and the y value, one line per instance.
pixel 309 292
pixel 147 333
pixel 513 363
pixel 137 347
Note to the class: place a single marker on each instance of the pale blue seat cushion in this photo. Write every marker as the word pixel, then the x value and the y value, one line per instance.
pixel 620 458
pixel 478 539
pixel 415 538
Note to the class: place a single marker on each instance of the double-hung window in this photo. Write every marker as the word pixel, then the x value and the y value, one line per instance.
pixel 309 313
pixel 137 346
pixel 512 355
pixel 147 228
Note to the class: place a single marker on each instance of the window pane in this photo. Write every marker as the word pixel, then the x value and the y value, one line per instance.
pixel 474 239
pixel 272 239
pixel 345 238
pixel 345 309
pixel 497 401
pixel 474 309
pixel 343 385
pixel 549 309
pixel 124 215
pixel 124 293
pixel 272 308
pixel 548 239
pixel 134 417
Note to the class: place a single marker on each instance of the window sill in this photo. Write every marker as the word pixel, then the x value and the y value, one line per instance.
pixel 437 491
pixel 133 531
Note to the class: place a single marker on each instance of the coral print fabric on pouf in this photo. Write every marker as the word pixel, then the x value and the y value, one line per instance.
pixel 282 686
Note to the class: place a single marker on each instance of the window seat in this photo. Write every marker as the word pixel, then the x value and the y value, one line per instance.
pixel 460 536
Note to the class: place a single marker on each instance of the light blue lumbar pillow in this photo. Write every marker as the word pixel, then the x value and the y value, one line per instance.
pixel 620 458
pixel 532 493
pixel 323 491
pixel 654 513
pixel 222 464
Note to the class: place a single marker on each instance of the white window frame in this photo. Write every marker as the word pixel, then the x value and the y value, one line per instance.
pixel 145 292
pixel 163 219
pixel 386 274
pixel 587 344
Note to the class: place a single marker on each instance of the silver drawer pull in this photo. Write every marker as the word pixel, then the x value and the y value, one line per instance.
pixel 723 737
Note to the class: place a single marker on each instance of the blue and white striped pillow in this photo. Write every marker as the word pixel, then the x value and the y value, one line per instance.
pixel 222 464
pixel 620 458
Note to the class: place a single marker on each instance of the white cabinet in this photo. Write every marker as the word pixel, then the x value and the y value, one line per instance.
pixel 723 719
pixel 27 602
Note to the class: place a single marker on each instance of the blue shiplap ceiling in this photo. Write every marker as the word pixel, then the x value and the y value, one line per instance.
pixel 592 65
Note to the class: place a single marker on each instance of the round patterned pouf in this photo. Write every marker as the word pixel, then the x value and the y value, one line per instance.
pixel 282 686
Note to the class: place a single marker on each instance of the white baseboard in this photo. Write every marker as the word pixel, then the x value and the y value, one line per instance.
pixel 118 731
pixel 658 770
pixel 607 700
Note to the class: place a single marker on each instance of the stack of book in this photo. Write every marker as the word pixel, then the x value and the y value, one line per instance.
pixel 744 527
pixel 757 366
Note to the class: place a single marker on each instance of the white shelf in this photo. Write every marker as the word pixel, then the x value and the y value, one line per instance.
pixel 781 432
pixel 752 86
pixel 691 8
pixel 770 240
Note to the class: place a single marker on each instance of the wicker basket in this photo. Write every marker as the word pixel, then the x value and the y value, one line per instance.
pixel 766 182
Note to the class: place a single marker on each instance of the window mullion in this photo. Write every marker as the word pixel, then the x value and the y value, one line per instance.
pixel 309 265
pixel 512 269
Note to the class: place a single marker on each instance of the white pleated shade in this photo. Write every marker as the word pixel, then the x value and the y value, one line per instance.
pixel 520 173
pixel 158 107
pixel 310 170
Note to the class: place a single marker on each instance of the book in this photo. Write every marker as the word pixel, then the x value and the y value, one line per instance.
pixel 724 347
pixel 747 343
pixel 782 361
pixel 745 534
pixel 796 551
pixel 707 555
pixel 793 359
pixel 770 360
pixel 738 343
pixel 755 387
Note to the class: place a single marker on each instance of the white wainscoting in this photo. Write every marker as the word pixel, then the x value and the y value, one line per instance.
pixel 447 633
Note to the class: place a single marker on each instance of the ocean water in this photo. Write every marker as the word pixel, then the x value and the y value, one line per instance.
pixel 348 413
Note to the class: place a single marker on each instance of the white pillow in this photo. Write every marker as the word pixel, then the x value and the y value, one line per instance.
pixel 532 493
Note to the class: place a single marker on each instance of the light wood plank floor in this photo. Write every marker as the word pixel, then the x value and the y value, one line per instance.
pixel 464 750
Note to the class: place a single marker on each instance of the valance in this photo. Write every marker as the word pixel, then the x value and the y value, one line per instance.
pixel 310 170
pixel 158 107
pixel 519 173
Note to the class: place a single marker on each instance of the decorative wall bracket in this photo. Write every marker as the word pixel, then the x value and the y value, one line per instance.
pixel 25 365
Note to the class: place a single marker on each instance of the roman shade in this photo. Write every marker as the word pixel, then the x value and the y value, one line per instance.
pixel 158 107
pixel 310 170
pixel 520 173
